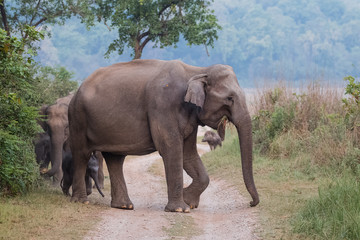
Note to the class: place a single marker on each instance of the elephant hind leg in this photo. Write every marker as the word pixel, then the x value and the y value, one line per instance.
pixel 119 195
pixel 80 162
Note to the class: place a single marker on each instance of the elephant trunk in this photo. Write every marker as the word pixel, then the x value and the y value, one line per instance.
pixel 244 130
pixel 57 141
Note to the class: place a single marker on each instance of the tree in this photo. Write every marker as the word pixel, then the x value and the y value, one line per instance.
pixel 16 15
pixel 54 83
pixel 139 22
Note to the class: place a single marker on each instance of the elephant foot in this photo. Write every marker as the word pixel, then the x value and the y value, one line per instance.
pixel 122 205
pixel 177 207
pixel 80 200
pixel 191 199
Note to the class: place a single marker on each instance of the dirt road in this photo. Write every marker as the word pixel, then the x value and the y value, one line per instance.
pixel 222 214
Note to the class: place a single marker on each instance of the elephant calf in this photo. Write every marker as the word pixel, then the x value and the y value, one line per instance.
pixel 92 171
pixel 213 139
pixel 42 151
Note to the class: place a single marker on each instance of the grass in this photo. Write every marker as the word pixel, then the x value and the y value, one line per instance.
pixel 45 214
pixel 335 213
pixel 281 192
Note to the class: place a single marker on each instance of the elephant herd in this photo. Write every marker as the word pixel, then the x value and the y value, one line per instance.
pixel 136 108
pixel 52 146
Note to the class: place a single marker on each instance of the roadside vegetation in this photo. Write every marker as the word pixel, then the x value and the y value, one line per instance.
pixel 24 87
pixel 307 161
pixel 45 213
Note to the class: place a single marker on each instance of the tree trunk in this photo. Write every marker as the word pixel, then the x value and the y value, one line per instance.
pixel 4 18
pixel 137 49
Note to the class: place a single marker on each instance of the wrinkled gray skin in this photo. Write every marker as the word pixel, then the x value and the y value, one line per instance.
pixel 92 171
pixel 42 150
pixel 139 107
pixel 213 139
pixel 57 126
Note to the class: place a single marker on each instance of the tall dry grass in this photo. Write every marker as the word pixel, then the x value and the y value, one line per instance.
pixel 306 122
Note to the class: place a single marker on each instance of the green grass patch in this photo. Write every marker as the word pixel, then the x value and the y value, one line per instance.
pixel 334 213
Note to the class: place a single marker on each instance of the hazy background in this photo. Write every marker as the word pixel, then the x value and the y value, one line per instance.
pixel 263 40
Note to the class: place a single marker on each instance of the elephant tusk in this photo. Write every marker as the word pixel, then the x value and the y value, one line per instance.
pixel 44 170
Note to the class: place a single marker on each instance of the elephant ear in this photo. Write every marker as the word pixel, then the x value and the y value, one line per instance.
pixel 195 92
pixel 221 128
pixel 42 117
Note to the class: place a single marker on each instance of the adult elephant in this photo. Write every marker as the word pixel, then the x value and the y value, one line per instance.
pixel 56 124
pixel 139 107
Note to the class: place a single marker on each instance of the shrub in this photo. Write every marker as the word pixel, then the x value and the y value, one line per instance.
pixel 18 168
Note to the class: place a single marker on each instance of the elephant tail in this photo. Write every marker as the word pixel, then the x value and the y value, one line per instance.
pixel 97 185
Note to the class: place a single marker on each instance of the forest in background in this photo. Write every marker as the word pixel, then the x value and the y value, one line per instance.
pixel 263 40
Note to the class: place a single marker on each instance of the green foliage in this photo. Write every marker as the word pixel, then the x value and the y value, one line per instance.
pixel 307 120
pixel 16 117
pixel 334 214
pixel 161 22
pixel 352 105
pixel 20 14
pixel 53 83
pixel 16 63
pixel 276 118
pixel 18 168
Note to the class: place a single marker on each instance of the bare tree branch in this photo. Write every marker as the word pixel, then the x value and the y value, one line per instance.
pixel 144 34
pixel 35 13
pixel 144 43
pixel 168 5
pixel 40 21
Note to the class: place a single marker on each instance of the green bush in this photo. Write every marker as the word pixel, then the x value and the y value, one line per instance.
pixel 18 168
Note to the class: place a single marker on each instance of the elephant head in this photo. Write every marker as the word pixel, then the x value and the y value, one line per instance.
pixel 217 94
pixel 57 126
pixel 42 150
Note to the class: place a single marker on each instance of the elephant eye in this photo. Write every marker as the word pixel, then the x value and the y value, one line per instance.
pixel 229 98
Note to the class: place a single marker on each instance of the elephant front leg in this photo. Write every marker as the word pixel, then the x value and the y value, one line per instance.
pixel 174 180
pixel 119 195
pixel 196 170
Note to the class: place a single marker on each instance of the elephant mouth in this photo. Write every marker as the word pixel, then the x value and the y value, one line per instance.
pixel 214 124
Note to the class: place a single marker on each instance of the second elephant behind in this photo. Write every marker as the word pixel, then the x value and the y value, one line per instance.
pixel 213 139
